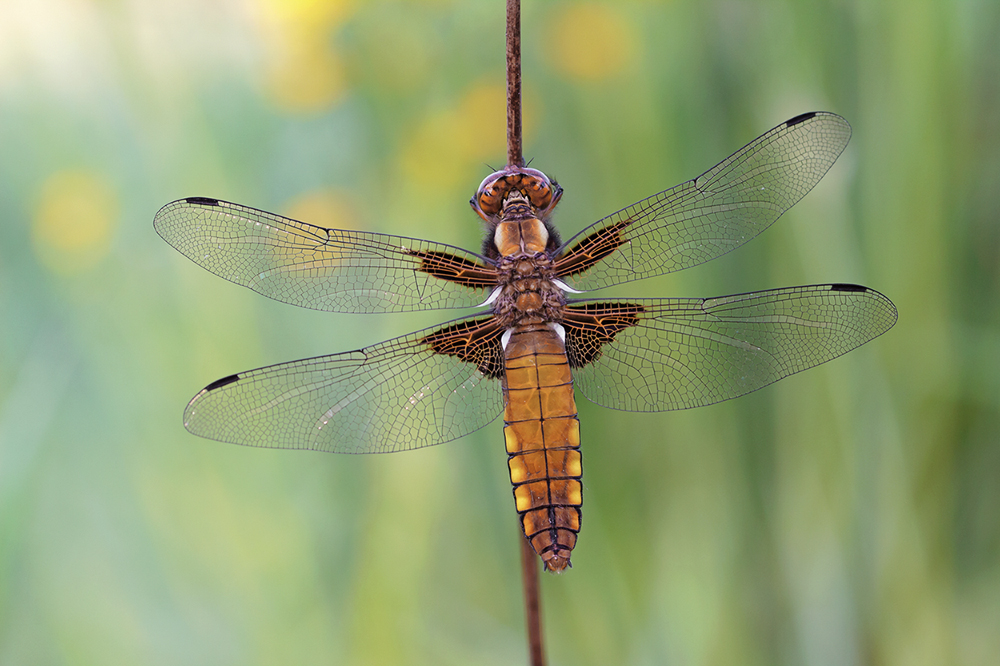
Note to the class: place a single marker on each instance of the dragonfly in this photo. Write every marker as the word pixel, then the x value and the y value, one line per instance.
pixel 532 341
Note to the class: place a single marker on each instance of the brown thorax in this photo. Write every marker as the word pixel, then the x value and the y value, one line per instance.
pixel 527 292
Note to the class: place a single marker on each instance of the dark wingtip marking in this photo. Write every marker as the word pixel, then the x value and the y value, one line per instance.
pixel 847 287
pixel 204 201
pixel 800 119
pixel 219 383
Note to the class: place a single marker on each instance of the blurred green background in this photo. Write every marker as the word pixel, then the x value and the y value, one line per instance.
pixel 847 515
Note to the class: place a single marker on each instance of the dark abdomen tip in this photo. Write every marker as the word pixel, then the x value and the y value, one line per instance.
pixel 556 560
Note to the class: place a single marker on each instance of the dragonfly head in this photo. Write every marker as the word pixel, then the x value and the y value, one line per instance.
pixel 534 186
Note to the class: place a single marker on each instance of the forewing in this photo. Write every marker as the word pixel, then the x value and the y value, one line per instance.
pixel 425 388
pixel 707 217
pixel 319 268
pixel 650 355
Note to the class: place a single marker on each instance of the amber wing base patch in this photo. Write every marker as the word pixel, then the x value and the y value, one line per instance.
pixel 585 254
pixel 589 327
pixel 474 341
pixel 456 269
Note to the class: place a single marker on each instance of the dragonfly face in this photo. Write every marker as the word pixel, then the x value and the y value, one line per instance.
pixel 531 345
pixel 543 194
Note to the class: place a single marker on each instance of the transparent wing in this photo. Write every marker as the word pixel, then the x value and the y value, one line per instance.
pixel 425 388
pixel 651 355
pixel 707 217
pixel 319 268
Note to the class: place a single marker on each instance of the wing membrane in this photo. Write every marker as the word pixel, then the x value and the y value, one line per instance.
pixel 418 390
pixel 649 355
pixel 707 217
pixel 319 268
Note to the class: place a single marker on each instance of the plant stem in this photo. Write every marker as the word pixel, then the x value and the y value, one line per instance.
pixel 515 156
pixel 532 608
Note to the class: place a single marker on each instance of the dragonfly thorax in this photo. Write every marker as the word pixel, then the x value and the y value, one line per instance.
pixel 521 236
pixel 528 290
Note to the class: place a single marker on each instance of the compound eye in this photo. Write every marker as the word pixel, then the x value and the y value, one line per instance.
pixel 541 196
pixel 535 185
pixel 489 196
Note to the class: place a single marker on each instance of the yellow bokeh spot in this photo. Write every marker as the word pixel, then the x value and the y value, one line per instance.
pixel 305 78
pixel 324 208
pixel 74 220
pixel 591 42
pixel 449 143
pixel 324 14
pixel 482 121
pixel 430 158
pixel 303 73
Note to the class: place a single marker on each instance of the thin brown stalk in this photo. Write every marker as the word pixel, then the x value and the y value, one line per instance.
pixel 533 611
pixel 515 156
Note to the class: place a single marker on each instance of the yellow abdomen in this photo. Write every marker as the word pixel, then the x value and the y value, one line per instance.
pixel 542 433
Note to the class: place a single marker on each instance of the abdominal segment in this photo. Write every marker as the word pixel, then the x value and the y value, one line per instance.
pixel 542 434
